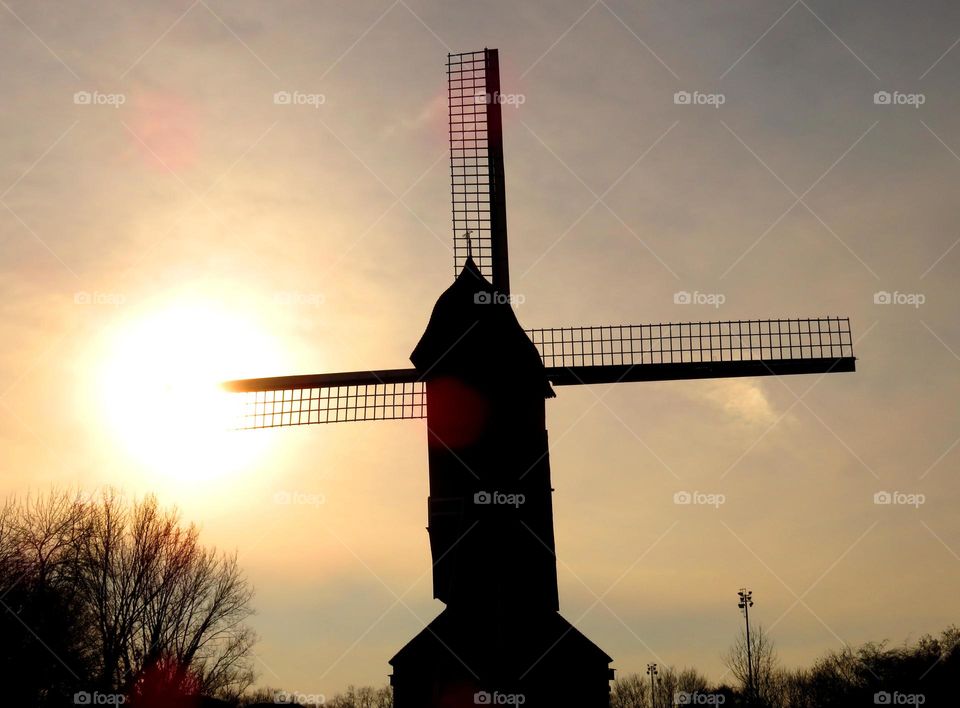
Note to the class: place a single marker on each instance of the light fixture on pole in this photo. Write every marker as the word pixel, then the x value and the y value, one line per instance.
pixel 652 670
pixel 746 602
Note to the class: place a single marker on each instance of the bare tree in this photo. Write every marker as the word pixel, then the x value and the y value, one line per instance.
pixel 683 687
pixel 160 598
pixel 116 596
pixel 764 660
pixel 365 697
pixel 260 696
pixel 793 689
pixel 43 655
pixel 630 691
pixel 633 690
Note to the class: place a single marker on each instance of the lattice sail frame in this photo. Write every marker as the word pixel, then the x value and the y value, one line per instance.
pixel 477 189
pixel 331 404
pixel 694 342
pixel 571 355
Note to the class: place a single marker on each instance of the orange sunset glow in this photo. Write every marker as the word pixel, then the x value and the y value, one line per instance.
pixel 196 193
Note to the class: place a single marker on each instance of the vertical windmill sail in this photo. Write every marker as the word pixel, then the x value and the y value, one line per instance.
pixel 477 188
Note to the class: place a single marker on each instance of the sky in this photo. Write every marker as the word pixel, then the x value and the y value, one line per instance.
pixel 165 223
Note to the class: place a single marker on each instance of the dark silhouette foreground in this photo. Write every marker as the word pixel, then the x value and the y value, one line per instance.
pixel 109 599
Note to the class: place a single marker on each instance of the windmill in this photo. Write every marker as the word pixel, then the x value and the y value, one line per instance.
pixel 481 381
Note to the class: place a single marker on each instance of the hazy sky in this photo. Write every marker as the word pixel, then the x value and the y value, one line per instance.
pixel 173 223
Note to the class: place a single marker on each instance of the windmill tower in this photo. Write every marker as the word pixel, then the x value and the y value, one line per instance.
pixel 481 381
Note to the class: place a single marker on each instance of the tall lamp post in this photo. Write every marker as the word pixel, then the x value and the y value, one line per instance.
pixel 746 602
pixel 652 670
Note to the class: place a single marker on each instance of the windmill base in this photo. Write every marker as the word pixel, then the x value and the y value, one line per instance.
pixel 462 660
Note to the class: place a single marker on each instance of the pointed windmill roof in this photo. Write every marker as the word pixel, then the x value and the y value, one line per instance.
pixel 474 333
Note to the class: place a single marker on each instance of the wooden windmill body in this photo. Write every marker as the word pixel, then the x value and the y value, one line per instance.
pixel 481 382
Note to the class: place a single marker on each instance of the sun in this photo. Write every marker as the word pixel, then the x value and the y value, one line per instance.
pixel 158 386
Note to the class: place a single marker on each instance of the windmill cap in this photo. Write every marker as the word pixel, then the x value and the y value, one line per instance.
pixel 474 335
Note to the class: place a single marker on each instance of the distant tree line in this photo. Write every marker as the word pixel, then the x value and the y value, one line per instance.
pixel 119 598
pixel 923 673
pixel 353 697
pixel 114 597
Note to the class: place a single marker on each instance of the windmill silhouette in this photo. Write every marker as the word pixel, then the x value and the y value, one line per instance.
pixel 481 382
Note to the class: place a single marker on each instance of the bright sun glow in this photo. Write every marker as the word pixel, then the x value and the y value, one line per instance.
pixel 159 387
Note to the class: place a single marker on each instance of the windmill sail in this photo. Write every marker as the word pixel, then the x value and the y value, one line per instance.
pixel 389 394
pixel 477 187
pixel 695 350
pixel 572 356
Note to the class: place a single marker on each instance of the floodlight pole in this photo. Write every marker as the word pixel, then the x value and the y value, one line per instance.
pixel 746 602
pixel 652 670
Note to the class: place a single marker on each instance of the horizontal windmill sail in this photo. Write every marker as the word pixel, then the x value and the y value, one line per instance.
pixel 695 350
pixel 571 356
pixel 281 401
